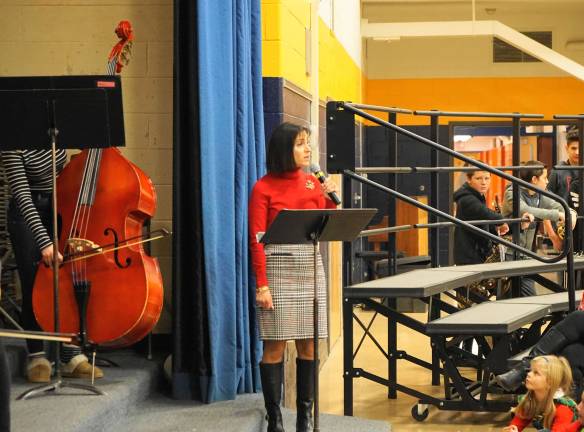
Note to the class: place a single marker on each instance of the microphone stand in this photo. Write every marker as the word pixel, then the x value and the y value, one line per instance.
pixel 316 425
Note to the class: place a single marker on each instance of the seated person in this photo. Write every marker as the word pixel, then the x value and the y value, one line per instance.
pixel 562 181
pixel 535 204
pixel 574 202
pixel 545 404
pixel 471 248
pixel 567 338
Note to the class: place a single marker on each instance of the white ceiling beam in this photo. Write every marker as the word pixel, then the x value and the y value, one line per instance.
pixel 393 31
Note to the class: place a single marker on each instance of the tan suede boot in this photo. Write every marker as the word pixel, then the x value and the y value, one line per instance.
pixel 38 370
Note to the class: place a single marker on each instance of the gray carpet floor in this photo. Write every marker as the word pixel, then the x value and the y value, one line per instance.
pixel 134 403
pixel 246 413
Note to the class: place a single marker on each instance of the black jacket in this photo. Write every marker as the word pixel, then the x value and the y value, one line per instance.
pixel 470 248
pixel 560 180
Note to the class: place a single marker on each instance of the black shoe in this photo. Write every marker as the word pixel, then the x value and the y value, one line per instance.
pixel 304 394
pixel 513 379
pixel 271 375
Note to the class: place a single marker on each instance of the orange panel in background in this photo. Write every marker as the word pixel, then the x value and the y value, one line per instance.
pixel 412 242
pixel 546 95
pixel 489 159
pixel 507 160
pixel 497 189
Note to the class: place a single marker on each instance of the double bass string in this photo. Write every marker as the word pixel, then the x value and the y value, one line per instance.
pixel 89 198
pixel 86 196
pixel 81 198
pixel 76 216
pixel 82 213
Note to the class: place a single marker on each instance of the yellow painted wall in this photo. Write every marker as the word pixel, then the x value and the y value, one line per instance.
pixel 283 40
pixel 284 24
pixel 339 77
pixel 548 96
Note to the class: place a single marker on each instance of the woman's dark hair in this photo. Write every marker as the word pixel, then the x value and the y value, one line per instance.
pixel 528 174
pixel 280 156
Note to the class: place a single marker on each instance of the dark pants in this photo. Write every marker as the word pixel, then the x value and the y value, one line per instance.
pixel 527 287
pixel 574 353
pixel 572 327
pixel 4 391
pixel 27 256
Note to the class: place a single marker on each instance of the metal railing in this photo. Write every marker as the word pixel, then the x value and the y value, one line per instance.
pixel 567 251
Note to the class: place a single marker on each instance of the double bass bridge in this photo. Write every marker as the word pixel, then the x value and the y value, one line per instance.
pixel 77 246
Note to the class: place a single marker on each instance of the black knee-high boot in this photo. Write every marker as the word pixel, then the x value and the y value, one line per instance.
pixel 304 394
pixel 271 375
pixel 552 342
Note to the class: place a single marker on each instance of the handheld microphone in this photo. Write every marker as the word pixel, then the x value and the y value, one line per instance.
pixel 321 176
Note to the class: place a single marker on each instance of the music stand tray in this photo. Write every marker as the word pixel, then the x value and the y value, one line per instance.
pixel 312 226
pixel 298 226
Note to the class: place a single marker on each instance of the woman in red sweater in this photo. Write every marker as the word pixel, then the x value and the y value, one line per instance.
pixel 545 404
pixel 285 273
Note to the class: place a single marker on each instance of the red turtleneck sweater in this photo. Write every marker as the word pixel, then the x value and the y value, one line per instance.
pixel 272 193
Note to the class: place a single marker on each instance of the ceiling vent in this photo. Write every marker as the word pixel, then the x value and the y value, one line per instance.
pixel 505 53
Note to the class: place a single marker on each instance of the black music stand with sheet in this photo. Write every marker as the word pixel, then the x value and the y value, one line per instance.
pixel 312 226
pixel 65 112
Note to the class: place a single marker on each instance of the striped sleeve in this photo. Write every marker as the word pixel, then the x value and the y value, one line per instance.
pixel 16 176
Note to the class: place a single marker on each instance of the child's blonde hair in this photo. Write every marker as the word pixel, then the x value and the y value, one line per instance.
pixel 559 377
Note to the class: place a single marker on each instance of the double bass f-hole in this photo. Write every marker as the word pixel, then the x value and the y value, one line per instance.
pixel 116 244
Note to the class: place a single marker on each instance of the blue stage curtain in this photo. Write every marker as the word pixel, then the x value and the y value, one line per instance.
pixel 191 347
pixel 232 159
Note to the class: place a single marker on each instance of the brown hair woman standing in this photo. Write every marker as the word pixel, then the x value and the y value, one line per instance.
pixel 285 273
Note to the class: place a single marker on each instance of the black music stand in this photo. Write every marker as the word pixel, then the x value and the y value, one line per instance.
pixel 83 112
pixel 312 226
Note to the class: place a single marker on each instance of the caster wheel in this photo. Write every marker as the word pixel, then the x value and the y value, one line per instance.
pixel 420 412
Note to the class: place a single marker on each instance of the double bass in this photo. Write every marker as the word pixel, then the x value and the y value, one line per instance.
pixel 114 298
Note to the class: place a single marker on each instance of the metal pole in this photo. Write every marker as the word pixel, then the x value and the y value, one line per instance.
pixel 434 200
pixel 315 317
pixel 57 323
pixel 515 229
pixel 392 258
pixel 347 356
pixel 579 242
pixel 391 202
pixel 434 237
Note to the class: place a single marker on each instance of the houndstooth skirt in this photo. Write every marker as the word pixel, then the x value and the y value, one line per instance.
pixel 290 271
